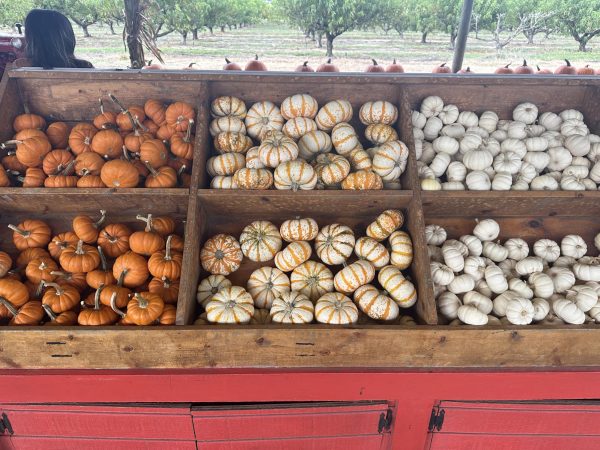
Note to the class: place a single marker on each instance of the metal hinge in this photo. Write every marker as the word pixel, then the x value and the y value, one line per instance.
pixel 437 419
pixel 5 424
pixel 385 421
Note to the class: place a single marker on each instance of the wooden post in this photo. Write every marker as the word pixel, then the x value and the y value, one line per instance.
pixel 463 33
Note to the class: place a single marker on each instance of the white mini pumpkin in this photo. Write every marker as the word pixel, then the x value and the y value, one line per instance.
pixel 562 277
pixel 544 183
pixel 568 311
pixel 440 164
pixel 495 279
pixel 448 304
pixel 432 128
pixel 295 175
pixel 335 308
pixel 313 279
pixel 266 284
pixel 314 143
pixel 587 272
pixel 488 121
pixel 470 315
pixel 418 119
pixel 432 106
pixel 374 304
pixel 461 284
pixel 441 274
pixel 431 185
pixel 297 127
pixel 550 121
pixel 546 249
pixel 228 106
pixel 401 290
pixel 292 307
pixel 478 181
pixel 494 251
pixel 529 265
pixel 449 114
pixel 481 302
pixel 435 235
pixel 541 308
pixel 502 181
pixel 517 249
pixel 468 119
pixel 334 244
pixel 520 287
pixel 542 285
pixel 584 297
pixel 390 159
pixel 225 164
pixel 520 311
pixel 477 159
pixel 573 245
pixel 332 113
pixel 501 302
pixel 225 124
pixel 453 258
pixel 526 113
pixel 475 266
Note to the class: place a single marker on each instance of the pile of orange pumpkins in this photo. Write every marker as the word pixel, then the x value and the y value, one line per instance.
pixel 141 146
pixel 93 274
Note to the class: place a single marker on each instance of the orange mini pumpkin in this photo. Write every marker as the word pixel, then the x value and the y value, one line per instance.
pixel 168 316
pixel 90 181
pixel 65 318
pixel 106 119
pixel 60 242
pixel 162 178
pixel 58 134
pixel 101 276
pixel 168 290
pixel 58 162
pixel 119 173
pixel 60 181
pixel 120 293
pixel 80 138
pixel 4 180
pixel 80 258
pixel 107 143
pixel 29 133
pixel 180 115
pixel 114 239
pixel 98 315
pixel 10 162
pixel 76 279
pixel 148 241
pixel 143 309
pixel 34 177
pixel 31 313
pixel 135 268
pixel 31 151
pixel 86 228
pixel 166 264
pixel 5 263
pixel 162 225
pixel 155 110
pixel 14 292
pixel 60 298
pixel 30 233
pixel 134 140
pixel 24 121
pixel 182 144
pixel 30 254
pixel 154 152
pixel 41 269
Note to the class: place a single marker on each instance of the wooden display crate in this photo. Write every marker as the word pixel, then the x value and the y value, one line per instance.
pixel 72 95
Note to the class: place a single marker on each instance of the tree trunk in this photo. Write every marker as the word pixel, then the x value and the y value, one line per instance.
pixel 320 39
pixel 529 34
pixel 424 37
pixel 222 28
pixel 583 45
pixel 210 29
pixel 235 26
pixel 330 37
pixel 86 33
pixel 184 35
pixel 453 35
pixel 230 27
pixel 195 34
pixel 111 25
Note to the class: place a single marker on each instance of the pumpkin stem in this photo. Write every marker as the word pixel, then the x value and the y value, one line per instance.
pixel 12 143
pixel 227 61
pixel 256 57
pixel 329 61
pixel 188 133
pixel 67 168
pixel 168 249
pixel 117 102
pixel 142 302
pixel 101 105
pixel 113 305
pixel 49 312
pixel 151 169
pixel 139 124
pixel 443 65
pixel 147 219
pixel 126 154
pixel 79 248
pixel 102 259
pixel 59 290
pixel 166 282
pixel 524 63
pixel 17 230
pixel 374 62
pixel 97 297
pixel 8 305
pixel 101 219
pixel 190 65
pixel 568 62
pixel 121 277
pixel 40 288
pixel 305 64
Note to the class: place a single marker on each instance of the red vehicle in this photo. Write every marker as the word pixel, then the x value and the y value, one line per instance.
pixel 12 47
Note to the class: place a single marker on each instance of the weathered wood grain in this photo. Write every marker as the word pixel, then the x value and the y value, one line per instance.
pixel 11 107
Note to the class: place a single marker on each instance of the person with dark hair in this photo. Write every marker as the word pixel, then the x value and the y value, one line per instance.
pixel 50 42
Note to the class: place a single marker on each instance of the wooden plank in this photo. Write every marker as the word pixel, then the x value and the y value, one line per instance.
pixel 308 346
pixel 486 442
pixel 372 442
pixel 11 107
pixel 190 270
pixel 203 139
pixel 59 443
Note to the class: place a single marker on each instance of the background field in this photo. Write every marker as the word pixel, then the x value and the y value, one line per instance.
pixel 283 48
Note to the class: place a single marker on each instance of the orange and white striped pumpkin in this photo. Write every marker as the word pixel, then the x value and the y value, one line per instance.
pixel 253 179
pixel 228 106
pixel 314 143
pixel 335 308
pixel 221 255
pixel 386 223
pixel 331 169
pixel 344 138
pixel 379 134
pixel 352 277
pixel 277 148
pixel 260 317
pixel 292 307
pixel 228 123
pixel 293 255
pixel 252 159
pixel 295 175
pixel 262 117
pixel 359 159
pixel 379 111
pixel 401 249
pixel 225 164
pixel 229 142
pixel 313 279
pixel 298 127
pixel 334 244
pixel 260 241
pixel 371 250
pixel 299 105
pixel 221 182
pixel 389 160
pixel 332 113
pixel 299 230
pixel 209 286
pixel 399 288
pixel 362 180
pixel 375 304
pixel 230 305
pixel 266 284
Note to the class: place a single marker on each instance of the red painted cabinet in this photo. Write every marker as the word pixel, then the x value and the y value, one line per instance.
pixel 515 425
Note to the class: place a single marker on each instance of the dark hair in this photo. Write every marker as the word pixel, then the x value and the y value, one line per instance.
pixel 51 40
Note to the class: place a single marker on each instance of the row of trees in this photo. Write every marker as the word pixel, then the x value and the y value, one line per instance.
pixel 503 19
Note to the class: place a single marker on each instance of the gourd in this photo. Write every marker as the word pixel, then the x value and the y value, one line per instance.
pixel 224 124
pixel 277 148
pixel 292 307
pixel 266 284
pixel 573 245
pixel 332 113
pixel 331 169
pixel 546 249
pixel 520 311
pixel 374 304
pixel 209 286
pixel 401 290
pixel 297 127
pixel 481 302
pixel 568 311
pixel 370 250
pixel 353 276
pixel 344 138
pixel 401 254
pixel 470 315
pixel 314 143
pixel 336 309
pixel 221 254
pixel 362 180
pixel 360 160
pixel 562 278
pixel 517 249
pixel 230 305
pixel 299 105
pixel 379 111
pixel 263 117
pixel 253 179
pixel 390 159
pixel 541 308
pixel 448 304
pixel 435 235
pixel 379 133
pixel 293 255
pixel 225 164
pixel 385 224
pixel 312 279
pixel 260 241
pixel 299 230
pixel 495 279
pixel 334 244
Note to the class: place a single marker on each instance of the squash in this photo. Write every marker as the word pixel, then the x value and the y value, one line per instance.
pixel 299 105
pixel 334 244
pixel 263 117
pixel 293 255
pixel 228 106
pixel 277 148
pixel 370 250
pixel 299 230
pixel 227 124
pixel 221 254
pixel 332 113
pixel 312 279
pixel 401 253
pixel 380 134
pixel 266 284
pixel 376 305
pixel 379 111
pixel 331 169
pixel 385 224
pixel 314 143
pixel 335 308
pixel 209 286
pixel 295 175
pixel 362 180
pixel 260 241
pixel 230 305
pixel 292 307
pixel 230 142
pixel 390 159
pixel 298 127
pixel 353 276
pixel 344 138
pixel 253 179
pixel 401 290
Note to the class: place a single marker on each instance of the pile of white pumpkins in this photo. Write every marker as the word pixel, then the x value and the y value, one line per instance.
pixel 299 289
pixel 294 143
pixel 458 150
pixel 479 281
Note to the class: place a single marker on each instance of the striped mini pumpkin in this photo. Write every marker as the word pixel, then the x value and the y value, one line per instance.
pixel 332 113
pixel 362 180
pixel 389 160
pixel 252 159
pixel 379 111
pixel 228 106
pixel 221 255
pixel 313 279
pixel 360 159
pixel 209 286
pixel 298 127
pixel 299 105
pixel 352 277
pixel 371 250
pixel 230 305
pixel 262 117
pixel 401 290
pixel 344 138
pixel 228 123
pixel 292 307
pixel 335 308
pixel 260 241
pixel 295 175
pixel 277 148
pixel 334 244
pixel 293 255
pixel 386 223
pixel 253 179
pixel 229 142
pixel 221 182
pixel 260 317
pixel 299 230
pixel 374 304
pixel 402 249
pixel 314 143
pixel 266 284
pixel 225 164
pixel 331 169
pixel 379 134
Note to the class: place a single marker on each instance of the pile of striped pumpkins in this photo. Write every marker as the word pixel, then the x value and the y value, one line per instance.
pixel 141 146
pixel 299 289
pixel 93 274
pixel 289 147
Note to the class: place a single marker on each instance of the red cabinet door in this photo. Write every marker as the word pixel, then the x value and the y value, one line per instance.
pixel 310 426
pixel 91 427
pixel 515 425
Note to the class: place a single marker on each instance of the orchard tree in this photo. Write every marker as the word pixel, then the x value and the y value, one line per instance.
pixel 12 11
pixel 579 18
pixel 215 14
pixel 394 15
pixel 136 34
pixel 83 12
pixel 111 13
